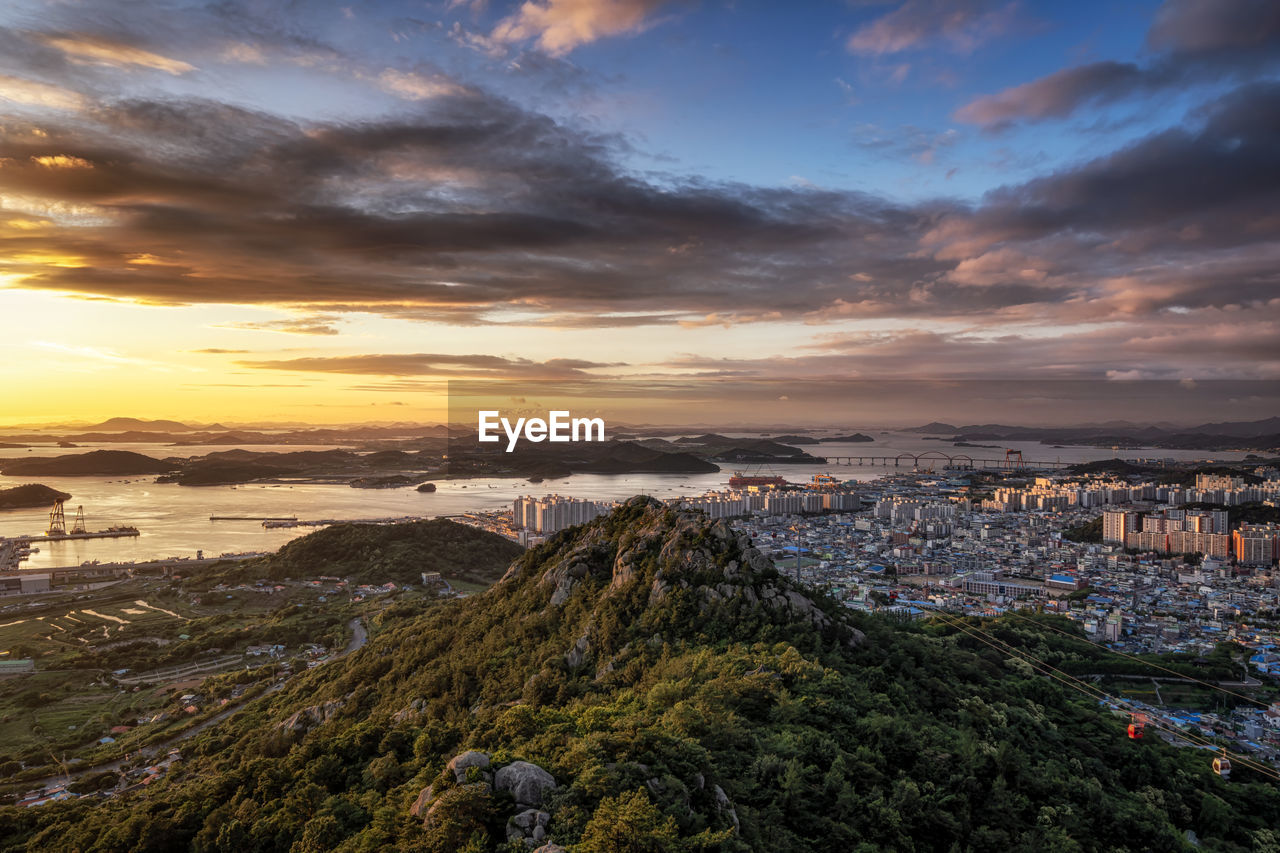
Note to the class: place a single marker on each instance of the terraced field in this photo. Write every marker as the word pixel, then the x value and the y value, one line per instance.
pixel 59 709
pixel 63 625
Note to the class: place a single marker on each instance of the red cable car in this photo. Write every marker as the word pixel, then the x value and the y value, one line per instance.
pixel 1137 724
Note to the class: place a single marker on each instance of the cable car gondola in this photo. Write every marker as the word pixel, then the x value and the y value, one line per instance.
pixel 1137 725
pixel 1222 765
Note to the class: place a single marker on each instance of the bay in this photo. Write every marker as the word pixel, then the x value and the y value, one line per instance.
pixel 174 520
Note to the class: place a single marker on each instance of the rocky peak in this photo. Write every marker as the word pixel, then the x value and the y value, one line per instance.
pixel 648 572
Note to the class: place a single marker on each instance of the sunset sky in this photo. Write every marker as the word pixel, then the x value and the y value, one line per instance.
pixel 254 210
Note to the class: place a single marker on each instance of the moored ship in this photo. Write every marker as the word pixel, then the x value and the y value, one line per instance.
pixel 740 480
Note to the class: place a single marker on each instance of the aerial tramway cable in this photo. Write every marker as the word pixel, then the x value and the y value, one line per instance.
pixel 1099 694
pixel 1137 659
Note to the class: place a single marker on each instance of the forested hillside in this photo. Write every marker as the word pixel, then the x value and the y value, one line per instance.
pixel 649 682
pixel 377 553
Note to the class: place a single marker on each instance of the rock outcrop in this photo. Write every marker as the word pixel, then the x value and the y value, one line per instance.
pixel 529 826
pixel 460 764
pixel 425 797
pixel 313 715
pixel 441 806
pixel 409 713
pixel 526 782
pixel 471 773
pixel 725 806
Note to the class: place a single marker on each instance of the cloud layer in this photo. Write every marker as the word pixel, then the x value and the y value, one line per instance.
pixel 1190 41
pixel 464 207
pixel 473 206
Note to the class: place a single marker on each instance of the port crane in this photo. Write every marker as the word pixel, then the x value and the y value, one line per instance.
pixel 57 520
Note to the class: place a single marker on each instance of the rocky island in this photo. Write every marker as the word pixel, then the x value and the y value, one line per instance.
pixel 30 495
pixel 95 463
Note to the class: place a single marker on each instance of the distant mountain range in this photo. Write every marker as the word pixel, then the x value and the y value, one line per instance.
pixel 126 431
pixel 140 425
pixel 1240 429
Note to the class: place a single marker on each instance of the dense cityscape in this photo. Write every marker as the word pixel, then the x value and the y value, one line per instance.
pixel 1165 572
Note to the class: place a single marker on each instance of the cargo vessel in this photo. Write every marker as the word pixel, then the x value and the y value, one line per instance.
pixel 740 480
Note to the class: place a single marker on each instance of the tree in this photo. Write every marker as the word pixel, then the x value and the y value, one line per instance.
pixel 629 824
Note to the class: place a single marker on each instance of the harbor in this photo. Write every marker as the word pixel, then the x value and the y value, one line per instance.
pixel 16 549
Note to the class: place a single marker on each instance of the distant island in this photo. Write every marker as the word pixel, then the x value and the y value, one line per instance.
pixel 722 448
pixel 30 495
pixel 414 462
pixel 212 472
pixel 793 439
pixel 934 427
pixel 848 439
pixel 470 459
pixel 414 456
pixel 95 463
pixel 1261 435
pixel 390 481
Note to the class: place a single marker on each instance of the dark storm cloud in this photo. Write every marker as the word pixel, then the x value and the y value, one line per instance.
pixel 1185 191
pixel 181 33
pixel 1191 41
pixel 468 205
pixel 469 201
